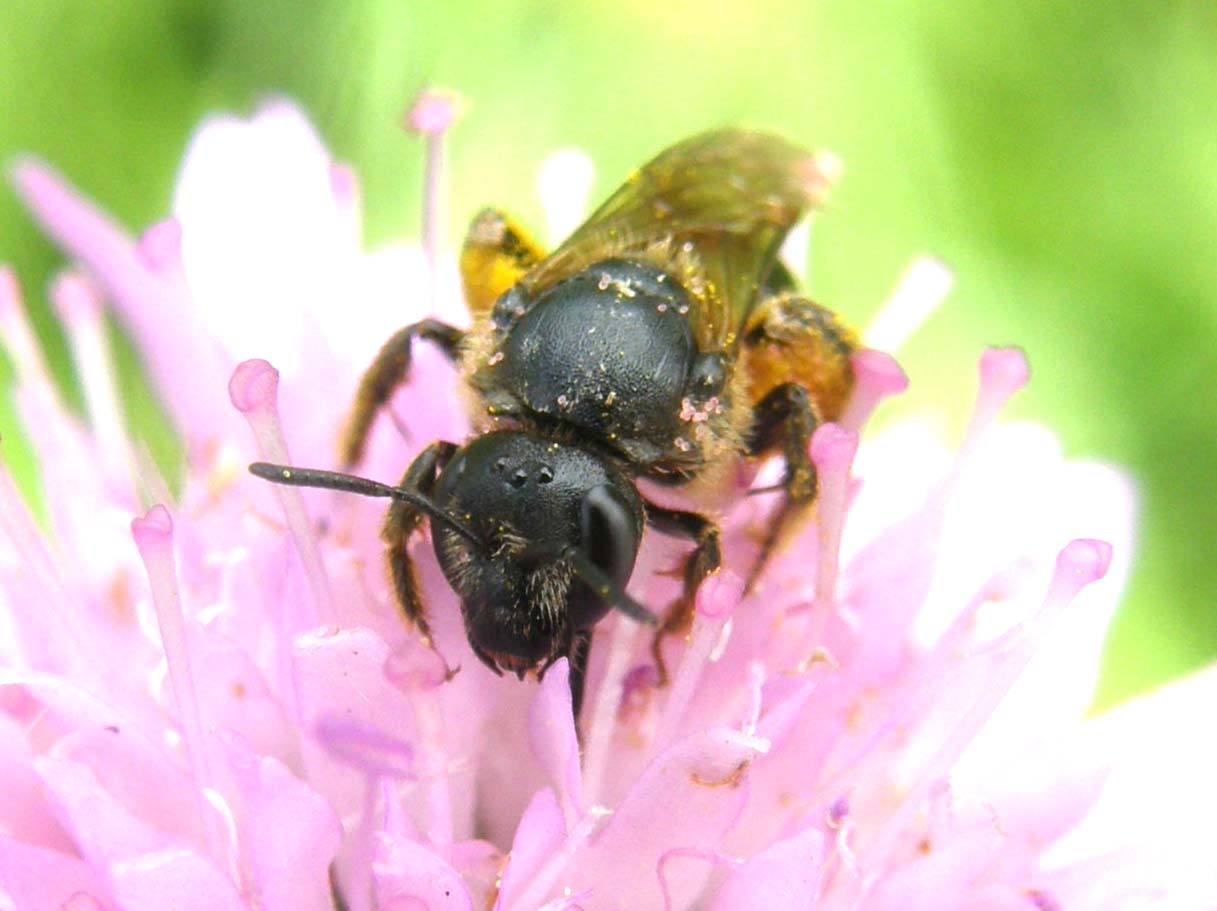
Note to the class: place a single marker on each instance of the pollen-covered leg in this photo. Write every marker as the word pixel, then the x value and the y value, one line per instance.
pixel 496 254
pixel 790 339
pixel 401 522
pixel 785 419
pixel 385 374
pixel 704 560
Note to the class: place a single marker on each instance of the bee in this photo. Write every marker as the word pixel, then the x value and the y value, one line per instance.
pixel 662 340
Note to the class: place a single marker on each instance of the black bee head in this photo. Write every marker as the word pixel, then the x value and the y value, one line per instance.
pixel 556 531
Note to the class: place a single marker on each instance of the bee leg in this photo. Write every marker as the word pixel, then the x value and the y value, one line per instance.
pixel 385 374
pixel 401 522
pixel 785 418
pixel 790 339
pixel 704 560
pixel 496 254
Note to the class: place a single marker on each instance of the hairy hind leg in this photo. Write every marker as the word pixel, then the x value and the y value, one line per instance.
pixel 797 354
pixel 704 560
pixel 385 374
pixel 785 419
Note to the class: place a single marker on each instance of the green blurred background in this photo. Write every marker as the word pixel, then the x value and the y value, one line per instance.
pixel 1060 156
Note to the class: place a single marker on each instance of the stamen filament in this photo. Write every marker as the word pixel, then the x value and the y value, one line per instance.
pixel 832 451
pixel 604 711
pixel 254 390
pixel 716 599
pixel 1080 563
pixel 920 291
pixel 153 534
pixel 431 116
pixel 81 314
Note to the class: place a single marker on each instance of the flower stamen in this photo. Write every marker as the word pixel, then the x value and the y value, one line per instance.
pixel 1003 371
pixel 254 391
pixel 80 312
pixel 877 376
pixel 920 291
pixel 431 116
pixel 716 600
pixel 19 340
pixel 153 534
pixel 832 450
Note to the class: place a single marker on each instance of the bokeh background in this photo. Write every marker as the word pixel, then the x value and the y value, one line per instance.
pixel 1060 156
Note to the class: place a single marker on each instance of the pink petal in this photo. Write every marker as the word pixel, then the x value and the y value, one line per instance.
pixel 288 834
pixel 142 778
pixel 782 877
pixel 341 677
pixel 237 698
pixel 24 812
pixel 408 876
pixel 1158 799
pixel 38 879
pixel 940 877
pixel 178 880
pixel 687 798
pixel 265 242
pixel 554 741
pixel 105 831
pixel 155 310
pixel 538 837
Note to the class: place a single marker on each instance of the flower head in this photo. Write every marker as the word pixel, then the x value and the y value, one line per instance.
pixel 210 700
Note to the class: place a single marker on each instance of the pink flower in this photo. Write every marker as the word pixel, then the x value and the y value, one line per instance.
pixel 209 700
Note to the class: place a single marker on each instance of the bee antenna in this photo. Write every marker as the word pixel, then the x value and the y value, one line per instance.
pixel 606 588
pixel 348 483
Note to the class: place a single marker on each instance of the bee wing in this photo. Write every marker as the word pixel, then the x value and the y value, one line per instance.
pixel 712 211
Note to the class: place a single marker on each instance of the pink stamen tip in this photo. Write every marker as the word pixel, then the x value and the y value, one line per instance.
pixel 878 371
pixel 720 595
pixel 1080 562
pixel 433 111
pixel 160 246
pixel 82 901
pixel 74 298
pixel 344 184
pixel 833 448
pixel 837 811
pixel 254 386
pixel 415 668
pixel 1003 371
pixel 1043 901
pixel 877 376
pixel 27 174
pixel 370 750
pixel 153 530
